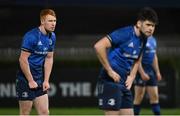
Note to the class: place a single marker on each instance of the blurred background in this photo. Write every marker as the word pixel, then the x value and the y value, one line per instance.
pixel 80 24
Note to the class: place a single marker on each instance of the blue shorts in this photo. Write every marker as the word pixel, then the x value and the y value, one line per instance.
pixel 151 82
pixel 113 96
pixel 23 92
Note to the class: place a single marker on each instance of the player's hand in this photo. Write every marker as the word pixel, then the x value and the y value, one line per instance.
pixel 145 77
pixel 159 77
pixel 115 76
pixel 129 82
pixel 46 86
pixel 32 84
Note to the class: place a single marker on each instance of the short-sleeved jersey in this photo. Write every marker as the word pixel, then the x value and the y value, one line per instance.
pixel 38 45
pixel 126 49
pixel 150 50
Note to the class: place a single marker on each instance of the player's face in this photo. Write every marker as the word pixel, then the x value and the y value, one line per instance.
pixel 49 23
pixel 147 28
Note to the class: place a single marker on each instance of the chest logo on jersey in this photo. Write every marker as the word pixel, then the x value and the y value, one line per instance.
pixel 147 45
pixel 131 50
pixel 39 43
pixel 131 45
pixel 50 42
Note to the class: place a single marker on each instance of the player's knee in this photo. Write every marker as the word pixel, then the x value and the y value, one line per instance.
pixel 141 96
pixel 25 111
pixel 43 112
pixel 154 98
pixel 138 99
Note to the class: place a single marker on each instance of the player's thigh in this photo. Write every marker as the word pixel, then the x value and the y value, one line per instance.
pixel 41 104
pixel 139 90
pixel 25 106
pixel 153 93
pixel 139 93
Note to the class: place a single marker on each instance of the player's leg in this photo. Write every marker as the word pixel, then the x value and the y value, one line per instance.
pixel 25 107
pixel 107 112
pixel 154 99
pixel 41 104
pixel 127 111
pixel 139 92
pixel 153 94
pixel 152 90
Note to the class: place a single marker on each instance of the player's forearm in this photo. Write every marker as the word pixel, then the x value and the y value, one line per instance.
pixel 135 69
pixel 47 68
pixel 140 69
pixel 24 65
pixel 156 65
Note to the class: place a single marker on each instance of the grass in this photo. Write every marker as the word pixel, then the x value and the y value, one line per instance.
pixel 85 111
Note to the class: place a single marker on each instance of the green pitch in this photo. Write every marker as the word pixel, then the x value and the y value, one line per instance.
pixel 84 111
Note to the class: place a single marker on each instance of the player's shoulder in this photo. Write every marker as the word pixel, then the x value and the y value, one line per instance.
pixel 32 33
pixel 152 38
pixel 124 32
pixel 53 34
pixel 126 29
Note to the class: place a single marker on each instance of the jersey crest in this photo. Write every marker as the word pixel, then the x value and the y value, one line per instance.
pixel 39 43
pixel 131 45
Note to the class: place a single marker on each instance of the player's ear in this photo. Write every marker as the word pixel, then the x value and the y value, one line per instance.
pixel 139 24
pixel 42 20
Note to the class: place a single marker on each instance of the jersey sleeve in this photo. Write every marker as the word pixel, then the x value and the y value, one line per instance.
pixel 28 43
pixel 155 43
pixel 118 36
pixel 52 42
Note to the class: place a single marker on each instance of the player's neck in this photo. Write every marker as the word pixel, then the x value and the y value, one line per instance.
pixel 137 31
pixel 42 29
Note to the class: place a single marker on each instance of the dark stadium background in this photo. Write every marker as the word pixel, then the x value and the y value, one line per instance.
pixel 80 24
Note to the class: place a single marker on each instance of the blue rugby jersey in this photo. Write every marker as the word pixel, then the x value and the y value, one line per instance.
pixel 125 50
pixel 38 45
pixel 150 50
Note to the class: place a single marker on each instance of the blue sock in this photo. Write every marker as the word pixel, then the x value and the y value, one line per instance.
pixel 156 108
pixel 137 109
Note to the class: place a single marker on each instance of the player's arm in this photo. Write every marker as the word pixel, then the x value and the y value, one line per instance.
pixel 101 48
pixel 132 74
pixel 47 70
pixel 24 65
pixel 156 67
pixel 143 74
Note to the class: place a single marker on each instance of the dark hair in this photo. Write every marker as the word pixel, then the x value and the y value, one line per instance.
pixel 149 14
